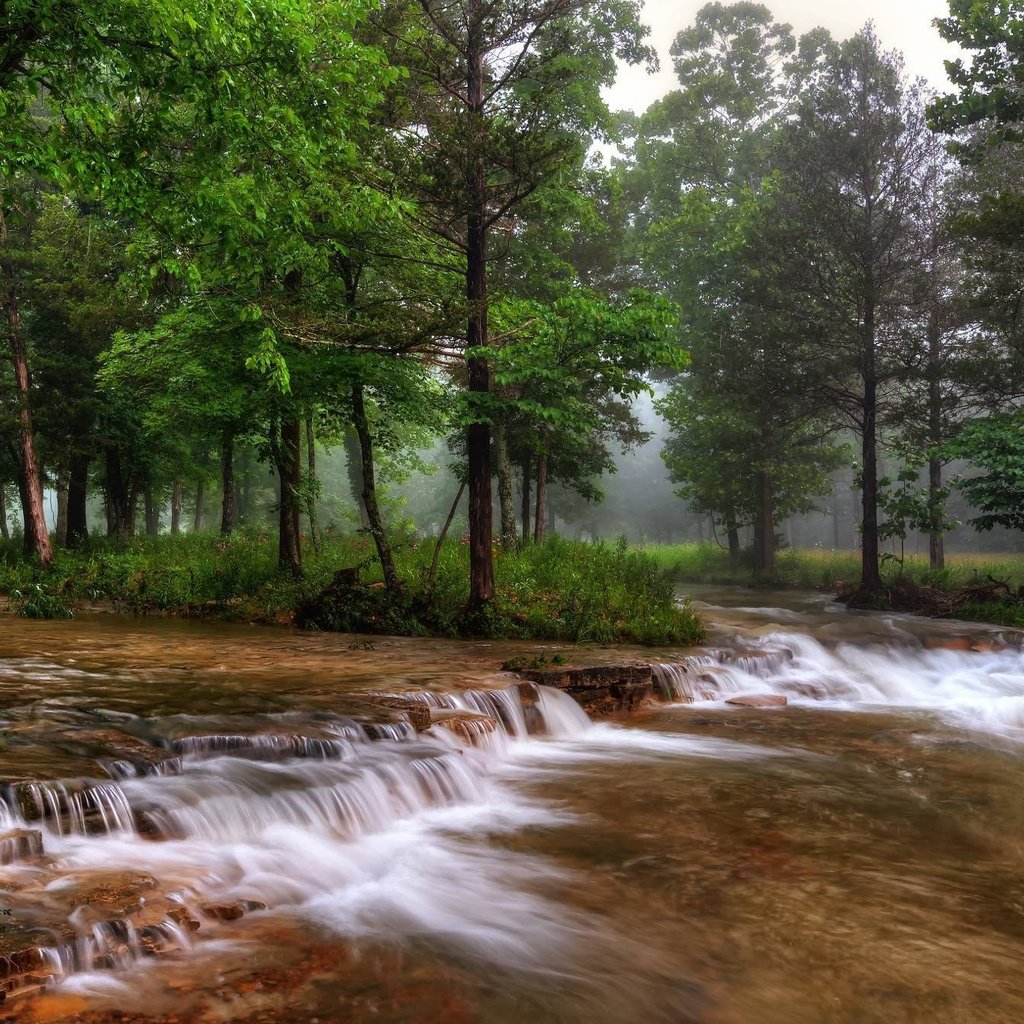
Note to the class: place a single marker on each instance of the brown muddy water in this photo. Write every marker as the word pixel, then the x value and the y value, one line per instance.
pixel 239 824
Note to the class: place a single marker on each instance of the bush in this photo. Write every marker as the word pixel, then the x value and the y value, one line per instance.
pixel 560 590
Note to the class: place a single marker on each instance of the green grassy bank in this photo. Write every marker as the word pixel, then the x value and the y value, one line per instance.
pixel 561 590
pixel 836 570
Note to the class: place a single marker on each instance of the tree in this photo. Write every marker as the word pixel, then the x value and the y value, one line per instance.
pixel 503 96
pixel 208 124
pixel 855 154
pixel 995 446
pixel 567 370
pixel 712 229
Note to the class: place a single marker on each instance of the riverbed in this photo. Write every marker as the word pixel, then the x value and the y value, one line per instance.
pixel 238 834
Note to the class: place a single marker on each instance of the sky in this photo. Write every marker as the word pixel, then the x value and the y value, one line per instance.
pixel 901 25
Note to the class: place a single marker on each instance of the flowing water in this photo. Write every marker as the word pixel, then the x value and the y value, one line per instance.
pixel 206 824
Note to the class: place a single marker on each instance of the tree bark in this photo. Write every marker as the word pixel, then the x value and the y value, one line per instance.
pixel 311 483
pixel 526 499
pixel 355 477
pixel 33 490
pixel 936 543
pixel 734 536
pixel 369 492
pixel 61 528
pixel 28 540
pixel 122 498
pixel 78 493
pixel 227 480
pixel 508 512
pixel 5 530
pixel 478 440
pixel 176 507
pixel 541 512
pixel 764 555
pixel 197 523
pixel 936 539
pixel 289 471
pixel 870 577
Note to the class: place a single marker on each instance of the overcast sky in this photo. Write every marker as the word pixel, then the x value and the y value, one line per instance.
pixel 901 25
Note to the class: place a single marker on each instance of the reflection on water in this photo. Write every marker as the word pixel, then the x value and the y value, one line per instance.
pixel 853 857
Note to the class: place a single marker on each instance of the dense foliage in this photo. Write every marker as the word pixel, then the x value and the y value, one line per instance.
pixel 234 239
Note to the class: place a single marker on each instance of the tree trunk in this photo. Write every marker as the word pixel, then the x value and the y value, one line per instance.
pixel 197 523
pixel 369 493
pixel 122 499
pixel 478 441
pixel 312 485
pixel 61 529
pixel 28 540
pixel 355 477
pixel 734 536
pixel 289 472
pixel 227 480
pixel 871 577
pixel 936 545
pixel 5 530
pixel 35 517
pixel 176 507
pixel 508 512
pixel 936 540
pixel 541 514
pixel 152 512
pixel 526 499
pixel 764 555
pixel 432 575
pixel 243 512
pixel 78 493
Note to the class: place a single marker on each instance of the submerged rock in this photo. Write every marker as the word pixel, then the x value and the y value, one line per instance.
pixel 758 700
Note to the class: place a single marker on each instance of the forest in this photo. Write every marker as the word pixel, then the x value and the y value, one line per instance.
pixel 484 542
pixel 392 284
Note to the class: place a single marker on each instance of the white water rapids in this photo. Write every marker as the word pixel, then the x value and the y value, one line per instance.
pixel 389 838
pixel 974 690
pixel 370 830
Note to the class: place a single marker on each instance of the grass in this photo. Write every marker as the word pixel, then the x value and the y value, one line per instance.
pixel 834 570
pixel 560 590
pixel 820 569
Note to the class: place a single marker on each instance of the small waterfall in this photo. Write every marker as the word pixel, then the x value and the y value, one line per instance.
pixel 113 945
pixel 120 769
pixel 268 746
pixel 981 690
pixel 685 681
pixel 70 807
pixel 373 829
pixel 233 801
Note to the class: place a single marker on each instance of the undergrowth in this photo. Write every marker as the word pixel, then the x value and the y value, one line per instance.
pixel 560 590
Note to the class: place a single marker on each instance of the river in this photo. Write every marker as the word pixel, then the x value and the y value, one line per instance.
pixel 209 823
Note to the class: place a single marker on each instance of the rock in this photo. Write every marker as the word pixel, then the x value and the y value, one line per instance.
pixel 948 643
pixel 758 700
pixel 20 844
pixel 232 911
pixel 600 689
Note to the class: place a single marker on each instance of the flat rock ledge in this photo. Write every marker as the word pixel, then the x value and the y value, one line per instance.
pixel 599 689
